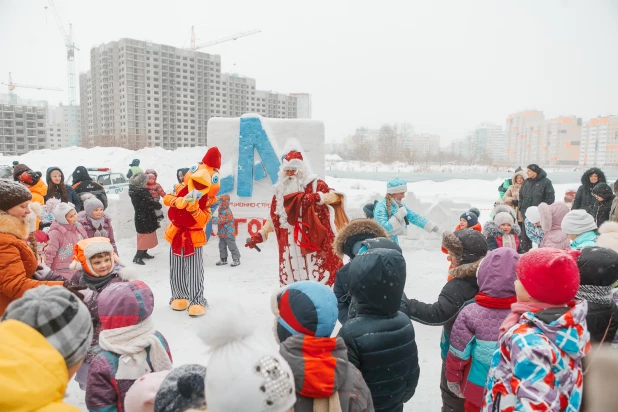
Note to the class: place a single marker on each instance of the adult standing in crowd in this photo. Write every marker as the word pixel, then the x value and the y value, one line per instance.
pixel 395 217
pixel 584 198
pixel 146 223
pixel 534 191
pixel 134 168
pixel 83 183
pixel 56 188
pixel 511 196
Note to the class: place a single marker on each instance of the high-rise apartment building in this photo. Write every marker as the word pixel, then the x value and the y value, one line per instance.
pixel 303 102
pixel 561 139
pixel 599 142
pixel 523 136
pixel 425 144
pixel 485 143
pixel 61 131
pixel 145 94
pixel 23 125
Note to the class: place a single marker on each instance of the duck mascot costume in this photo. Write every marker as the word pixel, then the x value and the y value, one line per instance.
pixel 189 212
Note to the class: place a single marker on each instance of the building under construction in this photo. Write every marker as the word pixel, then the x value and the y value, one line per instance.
pixel 141 94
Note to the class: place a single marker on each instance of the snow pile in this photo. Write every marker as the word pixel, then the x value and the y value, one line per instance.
pixel 400 167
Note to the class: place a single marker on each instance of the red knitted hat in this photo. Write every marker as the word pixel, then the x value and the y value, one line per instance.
pixel 549 275
pixel 212 158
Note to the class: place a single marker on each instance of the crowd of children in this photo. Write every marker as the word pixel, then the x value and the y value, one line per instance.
pixel 517 326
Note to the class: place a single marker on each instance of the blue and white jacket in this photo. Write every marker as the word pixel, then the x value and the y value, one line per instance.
pixel 395 226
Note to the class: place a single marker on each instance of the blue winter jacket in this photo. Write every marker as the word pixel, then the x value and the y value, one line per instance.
pixel 380 216
pixel 535 233
pixel 584 240
pixel 224 219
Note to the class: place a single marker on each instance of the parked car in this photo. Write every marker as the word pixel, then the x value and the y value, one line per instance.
pixel 111 181
pixel 6 172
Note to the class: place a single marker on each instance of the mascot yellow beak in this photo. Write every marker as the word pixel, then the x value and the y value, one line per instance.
pixel 200 180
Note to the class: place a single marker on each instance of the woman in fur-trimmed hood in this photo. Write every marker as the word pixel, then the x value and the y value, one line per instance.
pixel 466 249
pixel 511 197
pixel 584 198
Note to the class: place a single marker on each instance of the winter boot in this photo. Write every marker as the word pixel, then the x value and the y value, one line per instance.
pixel 145 255
pixel 235 263
pixel 222 262
pixel 180 304
pixel 138 258
pixel 196 310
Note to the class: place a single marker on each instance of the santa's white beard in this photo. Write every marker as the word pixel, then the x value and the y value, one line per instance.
pixel 285 186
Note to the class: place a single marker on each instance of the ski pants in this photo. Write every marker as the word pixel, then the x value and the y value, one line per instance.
pixel 187 277
pixel 228 243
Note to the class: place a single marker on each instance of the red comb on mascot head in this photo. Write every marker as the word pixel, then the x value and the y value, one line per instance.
pixel 189 213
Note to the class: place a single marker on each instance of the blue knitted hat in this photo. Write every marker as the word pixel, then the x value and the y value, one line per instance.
pixel 470 217
pixel 397 185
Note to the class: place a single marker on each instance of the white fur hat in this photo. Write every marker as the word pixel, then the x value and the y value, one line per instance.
pixel 245 361
pixel 502 218
pixel 59 210
pixel 87 248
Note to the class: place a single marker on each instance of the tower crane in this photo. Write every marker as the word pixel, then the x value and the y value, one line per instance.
pixel 236 36
pixel 70 47
pixel 13 85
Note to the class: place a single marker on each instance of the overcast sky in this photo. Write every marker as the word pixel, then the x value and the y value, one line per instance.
pixel 444 66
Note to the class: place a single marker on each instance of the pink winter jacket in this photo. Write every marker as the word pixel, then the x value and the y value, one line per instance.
pixel 59 250
pixel 551 218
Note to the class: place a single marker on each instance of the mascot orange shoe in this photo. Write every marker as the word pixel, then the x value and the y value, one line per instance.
pixel 189 213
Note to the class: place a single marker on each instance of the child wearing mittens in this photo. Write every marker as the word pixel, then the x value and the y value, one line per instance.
pixel 64 233
pixel 96 222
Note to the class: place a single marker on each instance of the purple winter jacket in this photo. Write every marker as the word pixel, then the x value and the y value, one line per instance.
pixel 551 218
pixel 474 336
pixel 59 250
pixel 89 228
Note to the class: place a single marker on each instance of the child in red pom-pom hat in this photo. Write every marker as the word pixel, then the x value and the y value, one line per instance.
pixel 539 362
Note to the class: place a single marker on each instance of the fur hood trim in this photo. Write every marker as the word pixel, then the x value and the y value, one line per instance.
pixel 467 270
pixel 138 180
pixel 491 229
pixel 451 243
pixel 356 227
pixel 608 227
pixel 127 273
pixel 13 226
pixel 519 173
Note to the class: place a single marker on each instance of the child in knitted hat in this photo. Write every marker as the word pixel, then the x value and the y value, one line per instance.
pixel 64 233
pixel 503 231
pixel 468 220
pixel 604 197
pixel 96 268
pixel 44 337
pixel 156 190
pixel 580 228
pixel 96 222
pixel 182 389
pixel 539 362
pixel 475 332
pixel 131 346
pixel 306 314
pixel 225 231
pixel 245 371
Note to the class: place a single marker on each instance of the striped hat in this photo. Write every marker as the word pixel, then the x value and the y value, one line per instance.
pixel 307 308
pixel 59 316
pixel 125 304
pixel 396 185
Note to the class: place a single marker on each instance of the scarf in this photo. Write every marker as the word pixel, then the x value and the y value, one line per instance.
pixel 490 302
pixel 97 224
pixel 509 241
pixel 331 404
pixel 130 343
pixel 595 294
pixel 518 309
pixel 96 282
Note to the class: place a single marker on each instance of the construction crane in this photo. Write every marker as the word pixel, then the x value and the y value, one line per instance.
pixel 70 46
pixel 236 36
pixel 13 85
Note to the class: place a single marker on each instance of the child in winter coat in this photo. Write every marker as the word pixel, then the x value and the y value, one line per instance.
pixel 225 230
pixel 604 197
pixel 64 233
pixel 131 346
pixel 475 333
pixel 155 189
pixel 466 249
pixel 368 209
pixel 468 220
pixel 44 337
pixel 532 225
pixel 379 338
pixel 96 222
pixel 538 365
pixel 580 228
pixel 503 232
pixel 95 267
pixel 304 342
pixel 551 219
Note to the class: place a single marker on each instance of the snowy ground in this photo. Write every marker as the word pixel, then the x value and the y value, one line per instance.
pixel 252 283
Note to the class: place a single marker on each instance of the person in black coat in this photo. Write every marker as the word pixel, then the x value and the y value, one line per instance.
pixel 603 199
pixel 359 233
pixel 536 189
pixel 83 183
pixel 466 249
pixel 380 339
pixel 146 223
pixel 584 198
pixel 598 271
pixel 56 188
